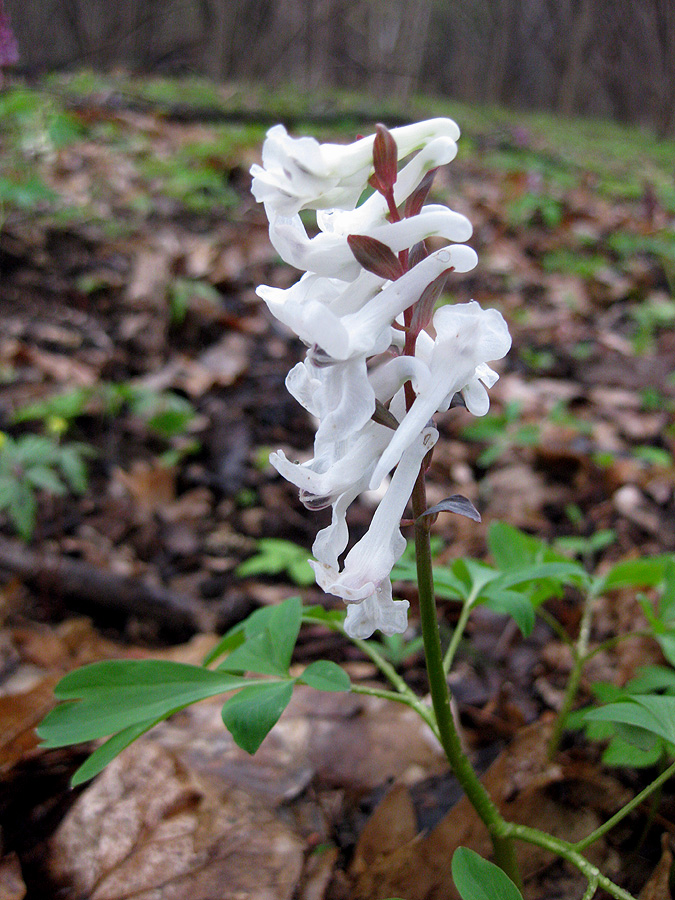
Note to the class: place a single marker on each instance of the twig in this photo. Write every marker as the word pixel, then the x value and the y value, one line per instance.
pixel 106 590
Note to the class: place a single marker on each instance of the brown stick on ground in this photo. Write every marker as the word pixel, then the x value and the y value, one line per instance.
pixel 106 590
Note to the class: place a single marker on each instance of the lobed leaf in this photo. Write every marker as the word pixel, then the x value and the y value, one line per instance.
pixel 324 675
pixel 251 714
pixel 113 695
pixel 477 879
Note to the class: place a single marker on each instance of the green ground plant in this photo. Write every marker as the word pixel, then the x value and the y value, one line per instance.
pixel 120 700
pixel 31 464
pixel 500 432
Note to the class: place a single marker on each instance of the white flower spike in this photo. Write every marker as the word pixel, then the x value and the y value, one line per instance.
pixel 363 294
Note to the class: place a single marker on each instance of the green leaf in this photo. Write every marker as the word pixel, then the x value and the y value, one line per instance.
pixel 115 694
pixel 478 879
pixel 258 654
pixel 45 478
pixel 514 604
pixel 22 510
pixel 232 639
pixel 325 675
pixel 474 574
pixel 654 714
pixel 512 548
pixel 104 754
pixel 8 490
pixel 251 714
pixel 73 468
pixel 274 556
pixel 68 405
pixel 271 634
pixel 651 679
pixel 33 450
pixel 622 752
pixel 666 604
pixel 666 641
pixel 312 614
pixel 563 572
pixel 647 571
pixel 301 572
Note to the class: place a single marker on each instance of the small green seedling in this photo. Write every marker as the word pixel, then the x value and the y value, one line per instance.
pixel 33 463
pixel 275 556
pixel 501 431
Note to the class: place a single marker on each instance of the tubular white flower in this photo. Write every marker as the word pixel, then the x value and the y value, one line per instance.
pixel 329 253
pixel 314 307
pixel 365 574
pixel 369 329
pixel 374 210
pixel 301 173
pixel 378 611
pixel 338 393
pixel 466 337
pixel 366 331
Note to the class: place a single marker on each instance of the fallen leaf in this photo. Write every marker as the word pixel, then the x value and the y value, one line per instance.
pixel 658 886
pixel 148 827
pixel 12 886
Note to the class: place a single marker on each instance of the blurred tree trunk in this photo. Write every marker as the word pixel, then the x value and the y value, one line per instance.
pixel 580 22
pixel 592 57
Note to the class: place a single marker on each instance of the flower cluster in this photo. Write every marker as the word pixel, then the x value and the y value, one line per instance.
pixel 373 376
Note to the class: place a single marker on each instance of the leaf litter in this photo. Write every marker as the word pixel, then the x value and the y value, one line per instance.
pixel 136 267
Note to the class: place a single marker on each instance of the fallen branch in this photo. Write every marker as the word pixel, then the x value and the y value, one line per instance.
pixel 187 114
pixel 102 590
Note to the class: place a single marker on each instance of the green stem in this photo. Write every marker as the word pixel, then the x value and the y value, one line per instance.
pixel 555 626
pixel 568 852
pixel 385 667
pixel 625 810
pixel 504 850
pixel 373 654
pixel 590 891
pixel 458 632
pixel 580 655
pixel 420 708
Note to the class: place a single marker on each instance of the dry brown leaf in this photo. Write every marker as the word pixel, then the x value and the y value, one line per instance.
pixel 12 886
pixel 517 781
pixel 19 715
pixel 148 827
pixel 152 486
pixel 658 886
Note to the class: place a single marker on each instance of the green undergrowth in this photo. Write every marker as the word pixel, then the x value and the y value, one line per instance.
pixel 612 160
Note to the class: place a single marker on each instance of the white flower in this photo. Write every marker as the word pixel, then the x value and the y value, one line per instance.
pixel 466 338
pixel 365 574
pixel 301 173
pixel 338 393
pixel 377 611
pixel 374 210
pixel 329 253
pixel 314 308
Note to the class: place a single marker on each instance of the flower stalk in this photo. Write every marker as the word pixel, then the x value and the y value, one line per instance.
pixel 369 289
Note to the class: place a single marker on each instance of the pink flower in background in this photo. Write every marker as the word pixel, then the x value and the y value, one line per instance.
pixel 9 50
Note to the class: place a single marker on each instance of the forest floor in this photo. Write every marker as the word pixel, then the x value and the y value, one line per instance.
pixel 141 390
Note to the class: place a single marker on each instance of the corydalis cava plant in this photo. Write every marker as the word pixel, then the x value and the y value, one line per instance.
pixel 373 375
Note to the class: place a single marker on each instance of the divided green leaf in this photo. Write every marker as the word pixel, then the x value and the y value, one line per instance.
pixel 477 879
pixel 251 714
